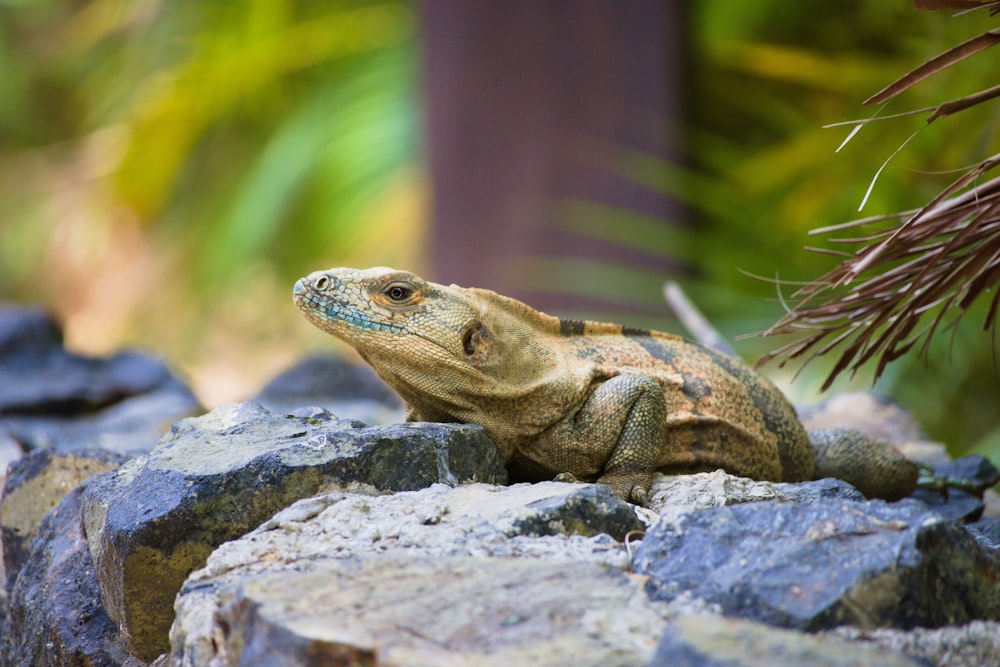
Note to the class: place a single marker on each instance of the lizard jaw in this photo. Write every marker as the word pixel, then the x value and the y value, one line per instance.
pixel 327 313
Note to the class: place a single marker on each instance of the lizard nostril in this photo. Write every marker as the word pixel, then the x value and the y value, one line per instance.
pixel 322 283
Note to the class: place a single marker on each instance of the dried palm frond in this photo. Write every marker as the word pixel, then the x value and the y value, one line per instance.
pixel 897 288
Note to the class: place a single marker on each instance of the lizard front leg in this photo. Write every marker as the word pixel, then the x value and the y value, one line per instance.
pixel 624 423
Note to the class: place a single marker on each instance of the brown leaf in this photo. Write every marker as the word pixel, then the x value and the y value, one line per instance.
pixel 935 65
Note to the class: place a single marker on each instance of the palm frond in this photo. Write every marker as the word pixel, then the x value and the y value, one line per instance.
pixel 904 282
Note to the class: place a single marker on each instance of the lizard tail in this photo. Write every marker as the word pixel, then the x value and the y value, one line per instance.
pixel 873 467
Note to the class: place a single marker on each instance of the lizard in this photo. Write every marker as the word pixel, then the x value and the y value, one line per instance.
pixel 580 400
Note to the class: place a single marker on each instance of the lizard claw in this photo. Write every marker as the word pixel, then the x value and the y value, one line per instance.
pixel 639 496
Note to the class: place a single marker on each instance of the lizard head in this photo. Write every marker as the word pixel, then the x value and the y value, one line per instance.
pixel 448 344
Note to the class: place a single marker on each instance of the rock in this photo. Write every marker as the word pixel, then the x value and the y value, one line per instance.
pixel 350 391
pixel 10 451
pixel 954 505
pixel 975 469
pixel 986 532
pixel 216 477
pixel 56 617
pixel 976 474
pixel 439 522
pixel 876 416
pixel 719 488
pixel 54 399
pixel 472 575
pixel 35 485
pixel 589 511
pixel 712 641
pixel 418 611
pixel 824 564
pixel 972 645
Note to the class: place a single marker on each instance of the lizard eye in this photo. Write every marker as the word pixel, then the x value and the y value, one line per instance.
pixel 398 293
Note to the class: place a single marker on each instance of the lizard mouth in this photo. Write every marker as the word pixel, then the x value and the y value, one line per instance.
pixel 328 312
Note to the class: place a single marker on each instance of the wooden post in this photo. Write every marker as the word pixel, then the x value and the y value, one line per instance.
pixel 521 96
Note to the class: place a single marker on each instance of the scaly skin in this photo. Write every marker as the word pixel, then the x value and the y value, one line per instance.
pixel 579 400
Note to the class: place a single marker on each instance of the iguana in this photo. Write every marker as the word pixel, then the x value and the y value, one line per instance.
pixel 582 400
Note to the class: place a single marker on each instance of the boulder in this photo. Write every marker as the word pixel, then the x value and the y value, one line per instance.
pixel 827 563
pixel 34 486
pixel 216 477
pixel 56 617
pixel 974 644
pixel 54 399
pixel 714 641
pixel 472 575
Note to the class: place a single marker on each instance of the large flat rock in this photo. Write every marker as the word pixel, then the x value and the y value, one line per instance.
pixel 475 575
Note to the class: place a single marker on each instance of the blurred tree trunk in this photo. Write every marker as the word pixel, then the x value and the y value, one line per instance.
pixel 522 96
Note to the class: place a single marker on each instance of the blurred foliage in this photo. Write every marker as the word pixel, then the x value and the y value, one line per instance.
pixel 168 169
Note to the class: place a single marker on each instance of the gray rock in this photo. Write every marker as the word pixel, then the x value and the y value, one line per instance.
pixel 216 477
pixel 34 486
pixel 713 641
pixel 348 390
pixel 976 474
pixel 464 611
pixel 974 644
pixel 954 505
pixel 824 564
pixel 439 522
pixel 56 617
pixel 472 575
pixel 877 416
pixel 975 469
pixel 719 489
pixel 986 531
pixel 54 399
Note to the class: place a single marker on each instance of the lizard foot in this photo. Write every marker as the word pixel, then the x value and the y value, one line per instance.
pixel 933 481
pixel 632 487
pixel 566 477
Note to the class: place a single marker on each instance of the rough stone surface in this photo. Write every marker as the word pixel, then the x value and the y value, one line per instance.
pixel 425 577
pixel 35 485
pixel 216 477
pixel 953 505
pixel 975 644
pixel 435 612
pixel 987 532
pixel 823 564
pixel 719 488
pixel 438 522
pixel 348 390
pixel 56 617
pixel 713 641
pixel 54 399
